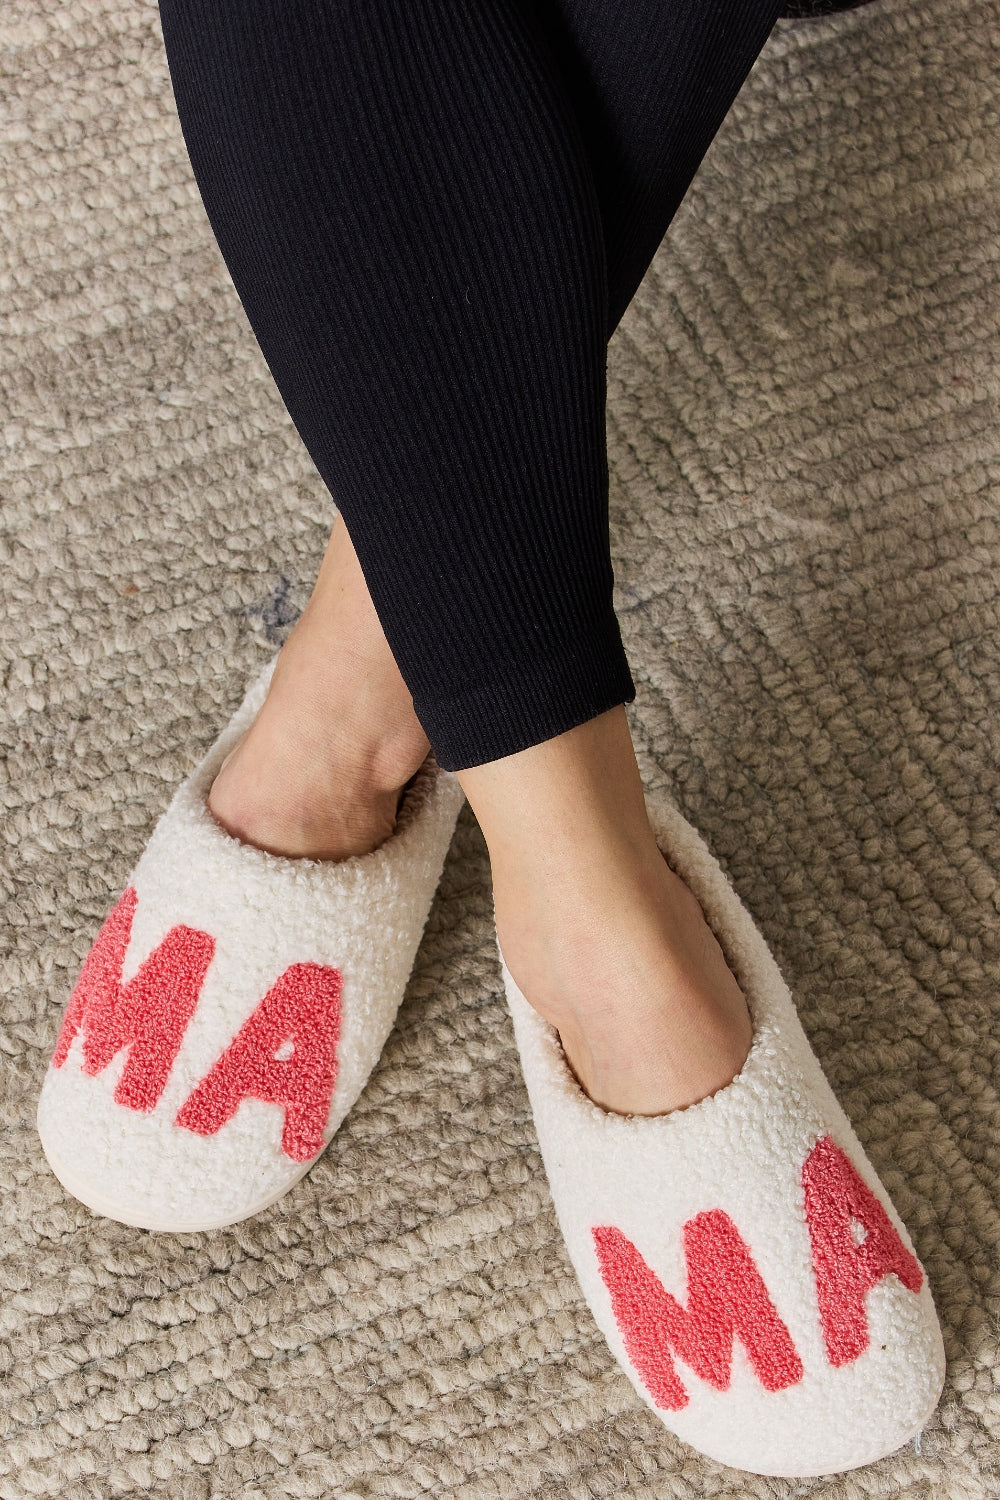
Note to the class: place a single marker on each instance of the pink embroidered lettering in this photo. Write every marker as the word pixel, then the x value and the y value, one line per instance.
pixel 148 1015
pixel 298 1018
pixel 727 1298
pixel 845 1271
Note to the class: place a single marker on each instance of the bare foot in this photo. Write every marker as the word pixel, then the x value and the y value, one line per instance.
pixel 602 937
pixel 320 770
pixel 649 1014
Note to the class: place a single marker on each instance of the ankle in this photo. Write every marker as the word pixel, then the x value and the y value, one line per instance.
pixel 579 791
pixel 320 770
pixel 345 714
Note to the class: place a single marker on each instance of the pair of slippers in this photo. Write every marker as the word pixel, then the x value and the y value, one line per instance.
pixel 740 1256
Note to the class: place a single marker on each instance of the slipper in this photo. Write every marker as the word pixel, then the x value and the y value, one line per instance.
pixel 233 1005
pixel 740 1255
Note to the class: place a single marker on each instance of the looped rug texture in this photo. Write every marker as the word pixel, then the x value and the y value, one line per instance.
pixel 805 464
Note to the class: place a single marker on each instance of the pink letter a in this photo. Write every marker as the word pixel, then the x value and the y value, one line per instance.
pixel 300 1013
pixel 845 1271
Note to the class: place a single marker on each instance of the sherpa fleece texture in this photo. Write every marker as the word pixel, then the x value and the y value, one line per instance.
pixel 317 952
pixel 735 1254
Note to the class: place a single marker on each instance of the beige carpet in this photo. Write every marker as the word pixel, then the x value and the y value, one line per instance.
pixel 804 425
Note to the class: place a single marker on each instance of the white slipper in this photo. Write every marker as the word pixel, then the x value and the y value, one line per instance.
pixel 232 1007
pixel 741 1256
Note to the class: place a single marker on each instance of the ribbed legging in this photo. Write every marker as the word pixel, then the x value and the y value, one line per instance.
pixel 435 213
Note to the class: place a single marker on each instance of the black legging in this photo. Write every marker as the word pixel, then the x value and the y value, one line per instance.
pixel 435 213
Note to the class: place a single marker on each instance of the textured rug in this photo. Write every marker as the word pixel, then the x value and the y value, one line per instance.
pixel 805 459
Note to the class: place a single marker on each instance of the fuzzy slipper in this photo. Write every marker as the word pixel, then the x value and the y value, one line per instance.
pixel 741 1256
pixel 232 1007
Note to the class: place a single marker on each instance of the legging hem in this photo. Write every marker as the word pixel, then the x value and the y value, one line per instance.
pixel 489 722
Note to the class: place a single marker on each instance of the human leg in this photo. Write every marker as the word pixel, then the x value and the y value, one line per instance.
pixel 434 215
pixel 320 769
pixel 492 478
pixel 602 936
pixel 406 209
